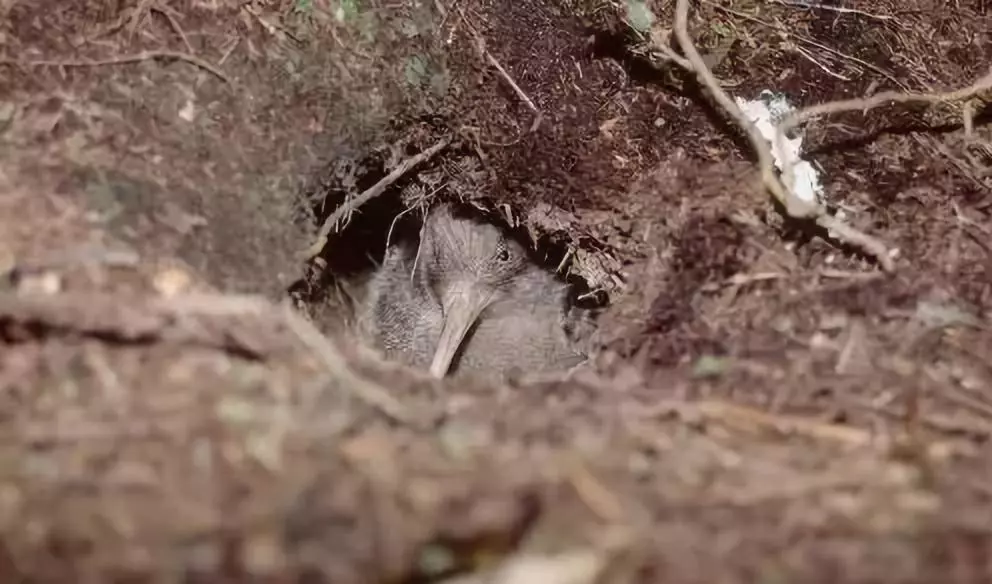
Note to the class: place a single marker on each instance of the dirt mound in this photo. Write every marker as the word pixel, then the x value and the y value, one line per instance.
pixel 762 405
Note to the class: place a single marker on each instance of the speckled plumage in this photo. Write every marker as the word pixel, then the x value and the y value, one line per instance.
pixel 522 309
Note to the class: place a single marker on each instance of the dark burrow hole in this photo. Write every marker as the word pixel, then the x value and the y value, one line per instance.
pixel 333 284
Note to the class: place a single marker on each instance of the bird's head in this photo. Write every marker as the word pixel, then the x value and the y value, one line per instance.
pixel 467 265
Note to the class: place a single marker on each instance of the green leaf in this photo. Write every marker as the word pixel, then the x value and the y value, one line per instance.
pixel 710 366
pixel 639 15
pixel 415 70
pixel 346 10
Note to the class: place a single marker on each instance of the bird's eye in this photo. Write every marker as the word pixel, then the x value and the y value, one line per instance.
pixel 502 253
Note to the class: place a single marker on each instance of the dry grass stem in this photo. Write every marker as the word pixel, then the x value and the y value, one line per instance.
pixel 749 419
pixel 137 17
pixel 838 9
pixel 809 57
pixel 375 190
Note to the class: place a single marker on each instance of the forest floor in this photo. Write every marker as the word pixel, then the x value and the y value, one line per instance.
pixel 764 404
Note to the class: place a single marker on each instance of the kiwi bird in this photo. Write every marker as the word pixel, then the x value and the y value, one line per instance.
pixel 468 299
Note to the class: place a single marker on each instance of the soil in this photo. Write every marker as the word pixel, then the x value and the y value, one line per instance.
pixel 763 404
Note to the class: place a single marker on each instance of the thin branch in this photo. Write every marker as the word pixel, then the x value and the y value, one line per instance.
pixel 374 191
pixel 794 206
pixel 142 56
pixel 825 69
pixel 884 98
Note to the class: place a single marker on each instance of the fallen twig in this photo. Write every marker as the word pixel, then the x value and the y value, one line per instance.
pixel 480 45
pixel 794 206
pixel 983 83
pixel 142 56
pixel 374 191
pixel 520 92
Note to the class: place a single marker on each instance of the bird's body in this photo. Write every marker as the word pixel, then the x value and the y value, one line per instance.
pixel 468 299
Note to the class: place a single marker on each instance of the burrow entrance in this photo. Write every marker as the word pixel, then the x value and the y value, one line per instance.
pixel 334 283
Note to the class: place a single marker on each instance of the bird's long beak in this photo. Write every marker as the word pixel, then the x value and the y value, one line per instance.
pixel 463 305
